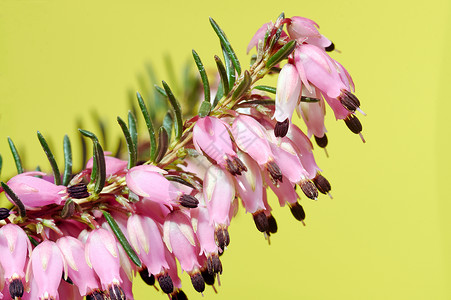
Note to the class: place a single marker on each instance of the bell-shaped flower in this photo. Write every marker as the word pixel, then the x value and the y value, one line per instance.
pixel 287 98
pixel 47 264
pixel 79 272
pixel 34 191
pixel 211 136
pixel 14 248
pixel 102 255
pixel 284 191
pixel 147 181
pixel 113 166
pixel 145 237
pixel 313 113
pixel 306 31
pixel 180 239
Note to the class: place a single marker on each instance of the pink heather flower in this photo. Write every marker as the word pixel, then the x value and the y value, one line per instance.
pixel 14 248
pixel 287 98
pixel 250 137
pixel 284 191
pixel 260 35
pixel 102 255
pixel 145 237
pixel 147 181
pixel 34 191
pixel 47 265
pixel 211 136
pixel 113 166
pixel 313 115
pixel 180 239
pixel 79 272
pixel 306 31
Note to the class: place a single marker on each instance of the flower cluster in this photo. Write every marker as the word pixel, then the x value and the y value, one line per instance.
pixel 87 234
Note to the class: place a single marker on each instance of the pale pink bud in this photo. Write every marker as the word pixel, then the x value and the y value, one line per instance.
pixel 79 272
pixel 47 265
pixel 284 191
pixel 211 136
pixel 14 247
pixel 145 237
pixel 287 97
pixel 181 241
pixel 34 191
pixel 250 136
pixel 313 113
pixel 306 30
pixel 103 256
pixel 219 192
pixel 205 232
pixel 113 166
pixel 259 35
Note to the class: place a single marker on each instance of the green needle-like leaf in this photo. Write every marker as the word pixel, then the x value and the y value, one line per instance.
pixel 243 87
pixel 281 54
pixel 225 42
pixel 122 239
pixel 98 173
pixel 130 145
pixel 150 128
pixel 67 160
pixel 276 37
pixel 230 70
pixel 266 88
pixel 132 127
pixel 204 109
pixel 1 164
pixel 51 158
pixel 177 111
pixel 15 199
pixel 160 90
pixel 223 73
pixel 15 156
pixel 203 76
pixel 163 143
pixel 309 99
pixel 168 122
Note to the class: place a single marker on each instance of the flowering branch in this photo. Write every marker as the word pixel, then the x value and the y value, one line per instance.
pixel 115 218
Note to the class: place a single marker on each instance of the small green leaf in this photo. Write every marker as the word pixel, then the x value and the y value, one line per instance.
pixel 33 241
pixel 67 160
pixel 163 143
pixel 276 37
pixel 266 88
pixel 243 87
pixel 168 122
pixel 51 158
pixel 180 180
pixel 309 99
pixel 203 76
pixel 130 145
pixel 231 74
pixel 258 102
pixel 84 152
pixel 280 55
pixel 101 167
pixel 219 95
pixel 15 199
pixel 177 111
pixel 160 90
pixel 223 73
pixel 122 239
pixel 225 42
pixel 132 127
pixel 150 129
pixel 204 109
pixel 15 156
pixel 1 164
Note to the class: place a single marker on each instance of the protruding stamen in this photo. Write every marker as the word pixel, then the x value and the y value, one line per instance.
pixel 261 222
pixel 231 167
pixel 353 124
pixel 149 279
pixel 188 201
pixel 208 278
pixel 322 184
pixel 272 224
pixel 298 212
pixel 241 167
pixel 309 189
pixel 274 172
pixel 330 48
pixel 116 293
pixel 214 264
pixel 361 136
pixel 78 191
pixel 349 100
pixel 4 213
pixel 281 128
pixel 321 141
pixel 222 237
pixel 166 284
pixel 16 288
pixel 198 282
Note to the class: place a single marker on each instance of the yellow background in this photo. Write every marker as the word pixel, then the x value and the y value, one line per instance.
pixel 385 235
